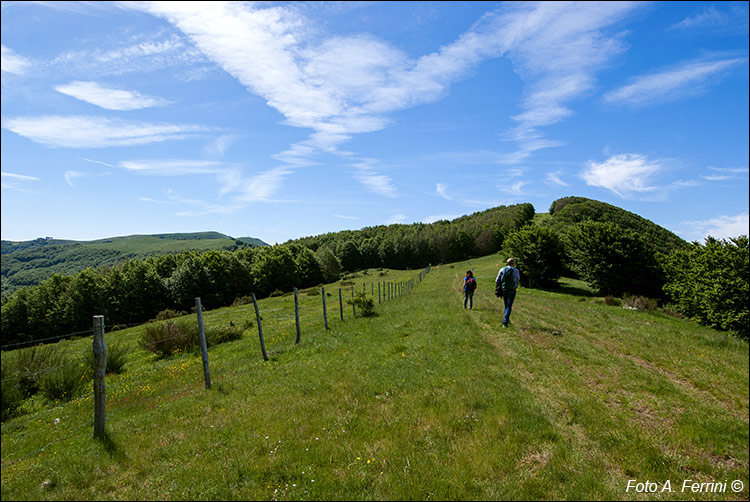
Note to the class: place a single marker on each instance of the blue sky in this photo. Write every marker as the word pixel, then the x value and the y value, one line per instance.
pixel 281 120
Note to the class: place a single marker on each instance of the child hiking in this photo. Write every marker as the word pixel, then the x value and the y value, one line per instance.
pixel 470 284
pixel 507 284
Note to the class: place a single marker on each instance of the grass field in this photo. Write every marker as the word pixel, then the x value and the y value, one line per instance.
pixel 425 401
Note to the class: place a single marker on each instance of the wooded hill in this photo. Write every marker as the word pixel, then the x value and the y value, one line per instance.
pixel 28 263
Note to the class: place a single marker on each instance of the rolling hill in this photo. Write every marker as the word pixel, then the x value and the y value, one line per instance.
pixel 27 263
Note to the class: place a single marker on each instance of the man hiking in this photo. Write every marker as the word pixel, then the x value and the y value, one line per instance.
pixel 507 284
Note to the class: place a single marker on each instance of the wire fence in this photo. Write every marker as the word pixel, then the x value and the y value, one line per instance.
pixel 280 327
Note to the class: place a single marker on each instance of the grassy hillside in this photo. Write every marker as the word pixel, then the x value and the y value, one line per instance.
pixel 30 262
pixel 425 401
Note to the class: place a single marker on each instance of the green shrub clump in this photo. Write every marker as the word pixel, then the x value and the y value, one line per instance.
pixel 364 306
pixel 170 337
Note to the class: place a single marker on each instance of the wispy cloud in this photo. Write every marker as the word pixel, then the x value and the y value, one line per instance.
pixel 688 79
pixel 109 98
pixel 11 62
pixel 14 181
pixel 554 179
pixel 375 182
pixel 134 54
pixel 733 19
pixel 726 173
pixel 172 167
pixel 440 189
pixel 721 227
pixel 70 175
pixel 557 48
pixel 439 217
pixel 95 132
pixel 623 175
pixel 342 216
pixel 396 218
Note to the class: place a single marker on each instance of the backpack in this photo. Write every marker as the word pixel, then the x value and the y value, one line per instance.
pixel 507 281
pixel 471 284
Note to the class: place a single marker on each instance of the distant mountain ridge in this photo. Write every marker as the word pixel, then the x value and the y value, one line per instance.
pixel 26 263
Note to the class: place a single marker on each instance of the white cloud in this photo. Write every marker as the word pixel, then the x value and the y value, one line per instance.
pixel 262 186
pixel 439 217
pixel 622 174
pixel 554 179
pixel 440 189
pixel 726 173
pixel 172 167
pixel 95 132
pixel 11 62
pixel 109 98
pixel 70 175
pixel 721 227
pixel 688 79
pixel 15 181
pixel 396 218
pixel 346 217
pixel 378 183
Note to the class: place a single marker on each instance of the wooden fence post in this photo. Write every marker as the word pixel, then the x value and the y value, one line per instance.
pixel 341 306
pixel 204 348
pixel 296 314
pixel 354 309
pixel 260 329
pixel 378 292
pixel 325 313
pixel 100 370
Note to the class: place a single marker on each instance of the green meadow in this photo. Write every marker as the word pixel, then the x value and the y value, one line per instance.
pixel 426 400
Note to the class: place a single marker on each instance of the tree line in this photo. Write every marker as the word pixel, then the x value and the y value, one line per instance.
pixel 138 289
pixel 616 252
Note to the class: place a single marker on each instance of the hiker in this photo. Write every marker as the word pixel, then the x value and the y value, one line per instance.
pixel 470 284
pixel 506 285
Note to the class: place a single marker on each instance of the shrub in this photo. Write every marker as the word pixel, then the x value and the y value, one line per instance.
pixel 613 260
pixel 116 358
pixel 169 314
pixel 538 252
pixel 66 381
pixel 11 395
pixel 612 301
pixel 640 303
pixel 32 363
pixel 242 300
pixel 276 292
pixel 364 306
pixel 167 338
pixel 709 283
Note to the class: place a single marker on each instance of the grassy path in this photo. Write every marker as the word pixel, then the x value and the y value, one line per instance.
pixel 427 401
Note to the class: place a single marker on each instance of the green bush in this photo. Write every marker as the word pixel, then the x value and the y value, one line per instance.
pixel 640 303
pixel 709 283
pixel 364 306
pixel 613 260
pixel 116 358
pixel 32 363
pixel 169 314
pixel 170 337
pixel 66 381
pixel 538 252
pixel 11 395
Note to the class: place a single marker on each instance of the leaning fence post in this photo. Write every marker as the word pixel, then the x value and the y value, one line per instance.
pixel 100 370
pixel 260 329
pixel 296 314
pixel 204 349
pixel 325 312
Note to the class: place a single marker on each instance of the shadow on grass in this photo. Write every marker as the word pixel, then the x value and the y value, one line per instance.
pixel 109 445
pixel 571 287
